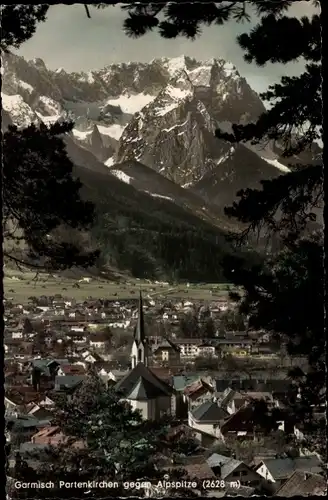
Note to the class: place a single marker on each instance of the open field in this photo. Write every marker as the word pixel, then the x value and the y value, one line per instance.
pixel 20 286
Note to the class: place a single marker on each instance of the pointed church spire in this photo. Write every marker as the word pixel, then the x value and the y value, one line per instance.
pixel 139 353
pixel 139 333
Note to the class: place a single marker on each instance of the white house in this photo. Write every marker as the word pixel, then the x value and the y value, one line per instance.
pixel 189 348
pixel 278 470
pixel 89 357
pixel 17 334
pixel 77 328
pixel 206 417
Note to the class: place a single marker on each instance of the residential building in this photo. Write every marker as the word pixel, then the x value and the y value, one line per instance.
pixel 278 470
pixel 165 353
pixel 231 471
pixel 188 347
pixel 206 418
pixel 197 393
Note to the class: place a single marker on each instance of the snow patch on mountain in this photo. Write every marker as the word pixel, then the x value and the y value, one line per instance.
pixel 176 93
pixel 175 64
pixel 109 162
pixel 155 195
pixel 23 85
pixel 226 156
pixel 50 105
pixel 230 70
pixel 48 119
pixel 175 126
pixel 122 176
pixel 201 77
pixel 131 104
pixel 277 164
pixel 20 112
pixel 205 114
pixel 81 135
pixel 114 130
pixel 166 109
pixel 90 77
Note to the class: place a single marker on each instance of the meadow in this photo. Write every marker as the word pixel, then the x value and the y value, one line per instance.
pixel 19 286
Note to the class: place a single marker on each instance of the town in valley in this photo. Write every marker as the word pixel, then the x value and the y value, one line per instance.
pixel 194 361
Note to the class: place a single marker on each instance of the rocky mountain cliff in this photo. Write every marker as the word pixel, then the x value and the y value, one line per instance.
pixel 162 113
pixel 174 134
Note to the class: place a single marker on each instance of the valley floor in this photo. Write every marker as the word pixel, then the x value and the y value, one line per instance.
pixel 20 286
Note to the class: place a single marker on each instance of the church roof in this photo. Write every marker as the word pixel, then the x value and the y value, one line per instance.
pixel 140 384
pixel 144 390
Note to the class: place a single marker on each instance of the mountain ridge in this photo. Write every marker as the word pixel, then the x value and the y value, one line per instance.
pixel 154 123
pixel 162 113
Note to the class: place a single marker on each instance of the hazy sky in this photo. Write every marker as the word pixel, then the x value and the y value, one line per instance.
pixel 68 39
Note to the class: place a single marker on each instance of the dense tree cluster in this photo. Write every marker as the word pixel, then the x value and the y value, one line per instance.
pixel 156 243
pixel 40 195
pixel 112 442
pixel 18 23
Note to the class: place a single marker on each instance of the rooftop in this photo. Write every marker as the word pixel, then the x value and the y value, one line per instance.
pixel 303 484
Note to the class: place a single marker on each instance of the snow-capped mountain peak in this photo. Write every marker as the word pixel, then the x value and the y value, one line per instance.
pixel 175 64
pixel 162 113
pixel 39 63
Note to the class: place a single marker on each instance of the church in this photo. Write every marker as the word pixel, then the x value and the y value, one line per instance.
pixel 141 387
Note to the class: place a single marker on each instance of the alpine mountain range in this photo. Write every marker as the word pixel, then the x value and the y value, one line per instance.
pixel 144 146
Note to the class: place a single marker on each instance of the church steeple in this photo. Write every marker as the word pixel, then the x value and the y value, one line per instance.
pixel 139 331
pixel 139 352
